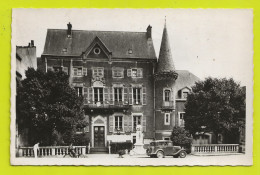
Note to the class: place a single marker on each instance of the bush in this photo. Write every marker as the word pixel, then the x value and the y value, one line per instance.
pixel 181 137
pixel 80 140
pixel 115 147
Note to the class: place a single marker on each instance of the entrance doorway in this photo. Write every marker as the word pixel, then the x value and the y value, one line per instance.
pixel 99 136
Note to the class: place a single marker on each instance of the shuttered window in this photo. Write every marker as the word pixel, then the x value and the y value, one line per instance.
pixel 98 95
pixel 118 95
pixel 79 90
pixel 144 95
pixel 118 123
pixel 65 70
pixel 77 71
pixel 125 95
pixel 137 96
pixel 137 120
pixel 111 127
pixel 86 95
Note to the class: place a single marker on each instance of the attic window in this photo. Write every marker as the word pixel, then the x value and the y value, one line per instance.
pixel 64 50
pixel 97 51
pixel 130 51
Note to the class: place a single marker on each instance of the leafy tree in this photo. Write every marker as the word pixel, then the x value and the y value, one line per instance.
pixel 181 137
pixel 218 106
pixel 48 107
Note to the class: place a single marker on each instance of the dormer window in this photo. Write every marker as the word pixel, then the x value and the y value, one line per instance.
pixel 64 50
pixel 185 94
pixel 135 72
pixel 130 51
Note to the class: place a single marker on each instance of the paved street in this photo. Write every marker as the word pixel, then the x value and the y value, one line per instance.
pixel 142 160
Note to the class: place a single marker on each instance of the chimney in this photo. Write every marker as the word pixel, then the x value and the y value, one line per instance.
pixel 69 29
pixel 149 32
pixel 32 43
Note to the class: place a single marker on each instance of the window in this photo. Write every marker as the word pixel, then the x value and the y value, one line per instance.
pixel 98 72
pixel 118 123
pixel 166 138
pixel 98 95
pixel 181 118
pixel 137 96
pixel 185 94
pixel 118 73
pixel 167 119
pixel 77 71
pixel 137 120
pixel 97 51
pixel 65 70
pixel 135 72
pixel 118 94
pixel 167 95
pixel 79 91
pixel 57 69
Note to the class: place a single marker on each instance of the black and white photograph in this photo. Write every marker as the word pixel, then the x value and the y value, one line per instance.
pixel 132 87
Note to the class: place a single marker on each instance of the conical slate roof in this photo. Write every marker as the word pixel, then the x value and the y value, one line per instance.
pixel 165 61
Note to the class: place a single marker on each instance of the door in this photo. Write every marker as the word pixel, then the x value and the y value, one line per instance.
pixel 99 136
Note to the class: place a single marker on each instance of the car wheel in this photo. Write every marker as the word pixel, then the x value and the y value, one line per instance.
pixel 160 154
pixel 182 154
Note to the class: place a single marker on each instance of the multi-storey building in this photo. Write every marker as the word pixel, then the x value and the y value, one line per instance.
pixel 121 80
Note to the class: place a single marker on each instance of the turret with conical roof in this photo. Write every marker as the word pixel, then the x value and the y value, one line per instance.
pixel 165 79
pixel 165 67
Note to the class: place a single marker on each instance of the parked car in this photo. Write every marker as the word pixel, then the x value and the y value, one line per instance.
pixel 162 148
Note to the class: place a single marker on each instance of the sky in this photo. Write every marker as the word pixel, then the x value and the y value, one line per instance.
pixel 207 42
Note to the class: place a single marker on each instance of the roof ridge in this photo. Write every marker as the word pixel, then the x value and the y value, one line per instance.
pixel 101 31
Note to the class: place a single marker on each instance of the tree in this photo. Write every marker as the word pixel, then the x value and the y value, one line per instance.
pixel 181 137
pixel 218 106
pixel 48 107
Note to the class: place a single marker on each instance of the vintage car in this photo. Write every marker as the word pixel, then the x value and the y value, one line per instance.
pixel 162 148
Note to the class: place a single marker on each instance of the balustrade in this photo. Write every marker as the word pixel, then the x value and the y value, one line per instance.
pixel 215 148
pixel 49 151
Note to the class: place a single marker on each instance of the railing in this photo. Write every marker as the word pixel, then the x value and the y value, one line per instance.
pixel 215 148
pixel 107 104
pixel 50 151
pixel 168 104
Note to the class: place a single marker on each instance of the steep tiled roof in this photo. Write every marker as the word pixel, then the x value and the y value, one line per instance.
pixel 165 61
pixel 185 78
pixel 117 42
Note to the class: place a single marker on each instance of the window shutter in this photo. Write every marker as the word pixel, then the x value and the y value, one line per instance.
pixel 111 95
pixel 87 120
pixel 144 123
pixel 85 95
pixel 65 70
pixel 125 95
pixel 129 72
pixel 130 123
pixel 130 97
pixel 125 119
pixel 75 71
pixel 85 71
pixel 139 72
pixel 90 95
pixel 106 95
pixel 144 95
pixel 111 122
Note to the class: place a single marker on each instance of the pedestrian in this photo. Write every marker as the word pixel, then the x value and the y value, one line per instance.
pixel 35 149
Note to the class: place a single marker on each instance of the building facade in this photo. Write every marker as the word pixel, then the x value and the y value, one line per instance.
pixel 25 58
pixel 122 82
